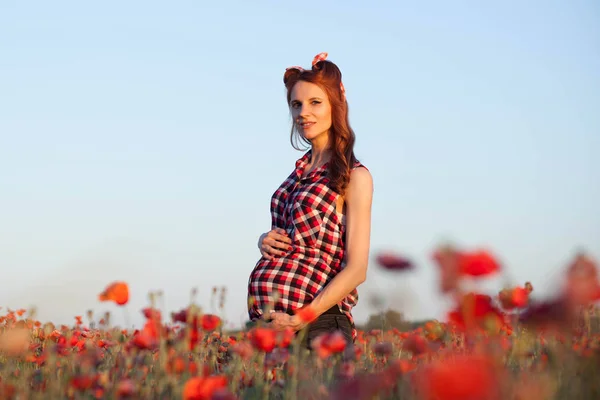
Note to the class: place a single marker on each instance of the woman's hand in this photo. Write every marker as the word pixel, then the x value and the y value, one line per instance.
pixel 276 242
pixel 281 321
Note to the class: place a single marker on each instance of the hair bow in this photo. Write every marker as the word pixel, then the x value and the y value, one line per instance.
pixel 319 57
pixel 316 59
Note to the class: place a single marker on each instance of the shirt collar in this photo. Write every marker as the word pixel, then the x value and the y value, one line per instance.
pixel 303 161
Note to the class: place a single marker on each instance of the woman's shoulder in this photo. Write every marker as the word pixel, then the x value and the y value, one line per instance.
pixel 360 176
pixel 358 164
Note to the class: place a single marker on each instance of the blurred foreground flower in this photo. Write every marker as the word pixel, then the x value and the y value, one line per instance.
pixel 204 387
pixel 460 377
pixel 329 343
pixel 263 339
pixel 476 311
pixel 554 314
pixel 517 297
pixel 394 262
pixel 582 285
pixel 15 341
pixel 478 263
pixel 306 314
pixel 117 292
pixel 210 322
pixel 454 264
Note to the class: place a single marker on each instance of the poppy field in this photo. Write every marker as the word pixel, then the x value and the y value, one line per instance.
pixel 504 345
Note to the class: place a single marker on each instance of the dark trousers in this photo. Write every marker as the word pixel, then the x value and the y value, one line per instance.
pixel 330 321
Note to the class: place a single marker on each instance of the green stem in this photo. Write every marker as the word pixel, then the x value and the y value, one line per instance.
pixel 127 320
pixel 293 387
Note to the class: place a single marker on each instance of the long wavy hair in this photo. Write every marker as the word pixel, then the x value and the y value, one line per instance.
pixel 328 77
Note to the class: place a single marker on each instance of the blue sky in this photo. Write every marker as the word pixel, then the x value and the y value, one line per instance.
pixel 142 141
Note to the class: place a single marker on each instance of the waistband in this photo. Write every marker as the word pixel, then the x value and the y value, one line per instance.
pixel 334 310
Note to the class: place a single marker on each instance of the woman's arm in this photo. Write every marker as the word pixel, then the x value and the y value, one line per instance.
pixel 358 199
pixel 359 195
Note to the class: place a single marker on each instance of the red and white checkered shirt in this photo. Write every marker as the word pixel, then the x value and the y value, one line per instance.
pixel 306 209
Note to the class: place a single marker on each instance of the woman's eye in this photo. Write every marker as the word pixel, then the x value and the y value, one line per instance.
pixel 297 105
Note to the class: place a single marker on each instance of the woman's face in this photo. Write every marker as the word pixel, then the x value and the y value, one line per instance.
pixel 311 110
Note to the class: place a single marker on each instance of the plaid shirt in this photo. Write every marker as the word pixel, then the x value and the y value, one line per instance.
pixel 306 209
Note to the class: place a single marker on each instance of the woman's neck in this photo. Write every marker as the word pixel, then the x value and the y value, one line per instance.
pixel 320 152
pixel 319 157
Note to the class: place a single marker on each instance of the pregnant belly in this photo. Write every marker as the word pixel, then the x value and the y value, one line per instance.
pixel 286 284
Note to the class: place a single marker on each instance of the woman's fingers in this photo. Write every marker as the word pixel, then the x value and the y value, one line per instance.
pixel 283 236
pixel 284 239
pixel 271 250
pixel 280 242
pixel 265 254
pixel 275 243
pixel 279 246
pixel 279 320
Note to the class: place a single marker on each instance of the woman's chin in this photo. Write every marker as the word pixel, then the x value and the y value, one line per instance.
pixel 309 135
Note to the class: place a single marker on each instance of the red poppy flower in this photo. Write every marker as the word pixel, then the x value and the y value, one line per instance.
pixel 263 339
pixel 117 292
pixel 462 377
pixel 329 343
pixel 479 263
pixel 306 314
pixel 203 387
pixel 394 262
pixel 210 322
pixel 517 297
pixel 476 311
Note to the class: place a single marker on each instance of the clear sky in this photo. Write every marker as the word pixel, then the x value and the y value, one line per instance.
pixel 142 140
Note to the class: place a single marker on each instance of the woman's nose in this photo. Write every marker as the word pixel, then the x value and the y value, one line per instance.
pixel 304 110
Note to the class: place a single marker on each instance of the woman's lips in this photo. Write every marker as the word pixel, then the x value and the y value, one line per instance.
pixel 305 125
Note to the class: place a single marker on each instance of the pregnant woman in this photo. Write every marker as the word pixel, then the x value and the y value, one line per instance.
pixel 317 250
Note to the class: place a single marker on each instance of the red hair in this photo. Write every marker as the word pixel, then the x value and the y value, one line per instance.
pixel 328 77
